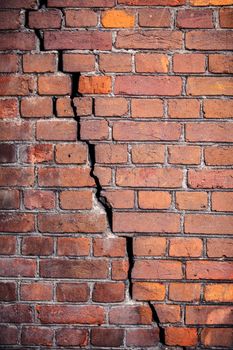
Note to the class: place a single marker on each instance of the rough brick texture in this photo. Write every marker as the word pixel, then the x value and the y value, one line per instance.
pixel 116 184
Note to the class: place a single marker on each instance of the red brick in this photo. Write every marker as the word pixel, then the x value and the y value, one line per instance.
pixel 56 130
pixel 76 200
pixel 210 179
pixel 184 291
pixel 153 39
pixel 46 19
pixel 12 313
pixel 191 200
pixel 37 199
pixel 36 291
pixel 63 107
pixel 142 336
pixel 217 337
pixel 208 315
pixel 81 3
pixel 219 248
pixel 209 132
pixel 222 201
pixel 110 106
pixel 8 63
pixel 17 41
pixel 130 315
pixel 54 85
pixel 8 245
pixel 155 18
pixel 221 64
pixel 17 267
pixel 146 131
pixel 219 293
pixel 93 269
pixel 37 153
pixel 88 223
pixel 16 131
pixel 157 269
pixel 115 62
pixel 27 4
pixel 147 108
pixel 184 108
pixel 151 63
pixel 111 247
pixel 8 335
pixel 208 224
pixel 65 177
pixel 218 155
pixel 104 175
pixel 7 291
pixel 152 2
pixel 119 199
pixel 195 18
pixel 71 153
pixel 118 18
pixel 185 247
pixel 184 154
pixel 8 108
pixel 209 86
pixel 34 107
pixel 154 200
pixel 37 245
pixel 149 177
pixel 225 17
pixel 20 85
pixel 189 63
pixel 16 222
pixel 149 246
pixel 9 199
pixel 39 63
pixel 147 85
pixel 94 130
pixel 80 18
pixel 148 291
pixel 209 40
pixel 120 269
pixel 108 292
pixel 35 335
pixel 73 246
pixel 78 62
pixel 16 176
pixel 111 154
pixel 72 292
pixel 68 314
pixel 7 153
pixel 67 40
pixel 107 337
pixel 168 313
pixel 209 270
pixel 181 336
pixel 218 108
pixel 71 337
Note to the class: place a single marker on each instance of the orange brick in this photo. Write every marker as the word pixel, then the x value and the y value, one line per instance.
pixel 148 108
pixel 218 155
pixel 148 153
pixel 148 291
pixel 222 201
pixel 217 337
pixel 218 108
pixel 157 269
pixel 211 2
pixel 187 247
pixel 220 248
pixel 204 132
pixel 181 336
pixel 95 85
pixel 184 154
pixel 219 293
pixel 188 63
pixel 211 270
pixel 149 246
pixel 184 108
pixel 210 315
pixel 154 200
pixel 115 62
pixel 117 19
pixel 208 86
pixel 168 313
pixel 151 63
pixel 191 200
pixel 184 291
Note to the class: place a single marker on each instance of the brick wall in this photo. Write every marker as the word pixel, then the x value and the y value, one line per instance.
pixel 116 184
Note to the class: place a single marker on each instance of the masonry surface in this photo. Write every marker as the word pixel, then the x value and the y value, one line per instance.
pixel 116 198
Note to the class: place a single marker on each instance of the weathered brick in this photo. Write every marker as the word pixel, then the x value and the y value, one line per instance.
pixel 111 247
pixel 34 335
pixel 72 292
pixel 38 153
pixel 154 200
pixel 27 4
pixel 142 336
pixel 107 337
pixel 155 18
pixel 37 245
pixel 111 106
pixel 76 199
pixel 108 292
pixel 184 291
pixel 191 200
pixel 8 108
pixel 16 131
pixel 188 63
pixel 119 199
pixel 208 224
pixel 111 154
pixel 195 18
pixel 151 63
pixel 8 245
pixel 220 248
pixel 184 154
pixel 71 153
pixel 152 2
pixel 9 63
pixel 56 130
pixel 221 64
pixel 80 18
pixel 71 337
pixel 222 201
pixel 157 269
pixel 185 247
pixel 226 16
pixel 149 246
pixel 212 270
pixel 168 313
pixel 208 315
pixel 65 177
pixel 18 267
pixel 130 315
pixel 210 178
pixel 78 62
pixel 17 41
pixel 217 337
pixel 46 19
pixel 115 62
pixel 218 155
pixel 20 85
pixel 120 269
pixel 34 107
pixel 209 86
pixel 209 40
pixel 36 291
pixel 94 130
pixel 218 108
pixel 7 153
pixel 147 108
pixel 54 85
pixel 148 291
pixel 73 246
pixel 16 313
pixel 16 222
pixel 39 63
pixel 37 199
pixel 213 132
pixel 8 335
pixel 81 3
pixel 9 199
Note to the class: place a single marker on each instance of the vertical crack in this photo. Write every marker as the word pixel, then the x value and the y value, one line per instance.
pixel 157 321
pixel 129 248
pixel 42 3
